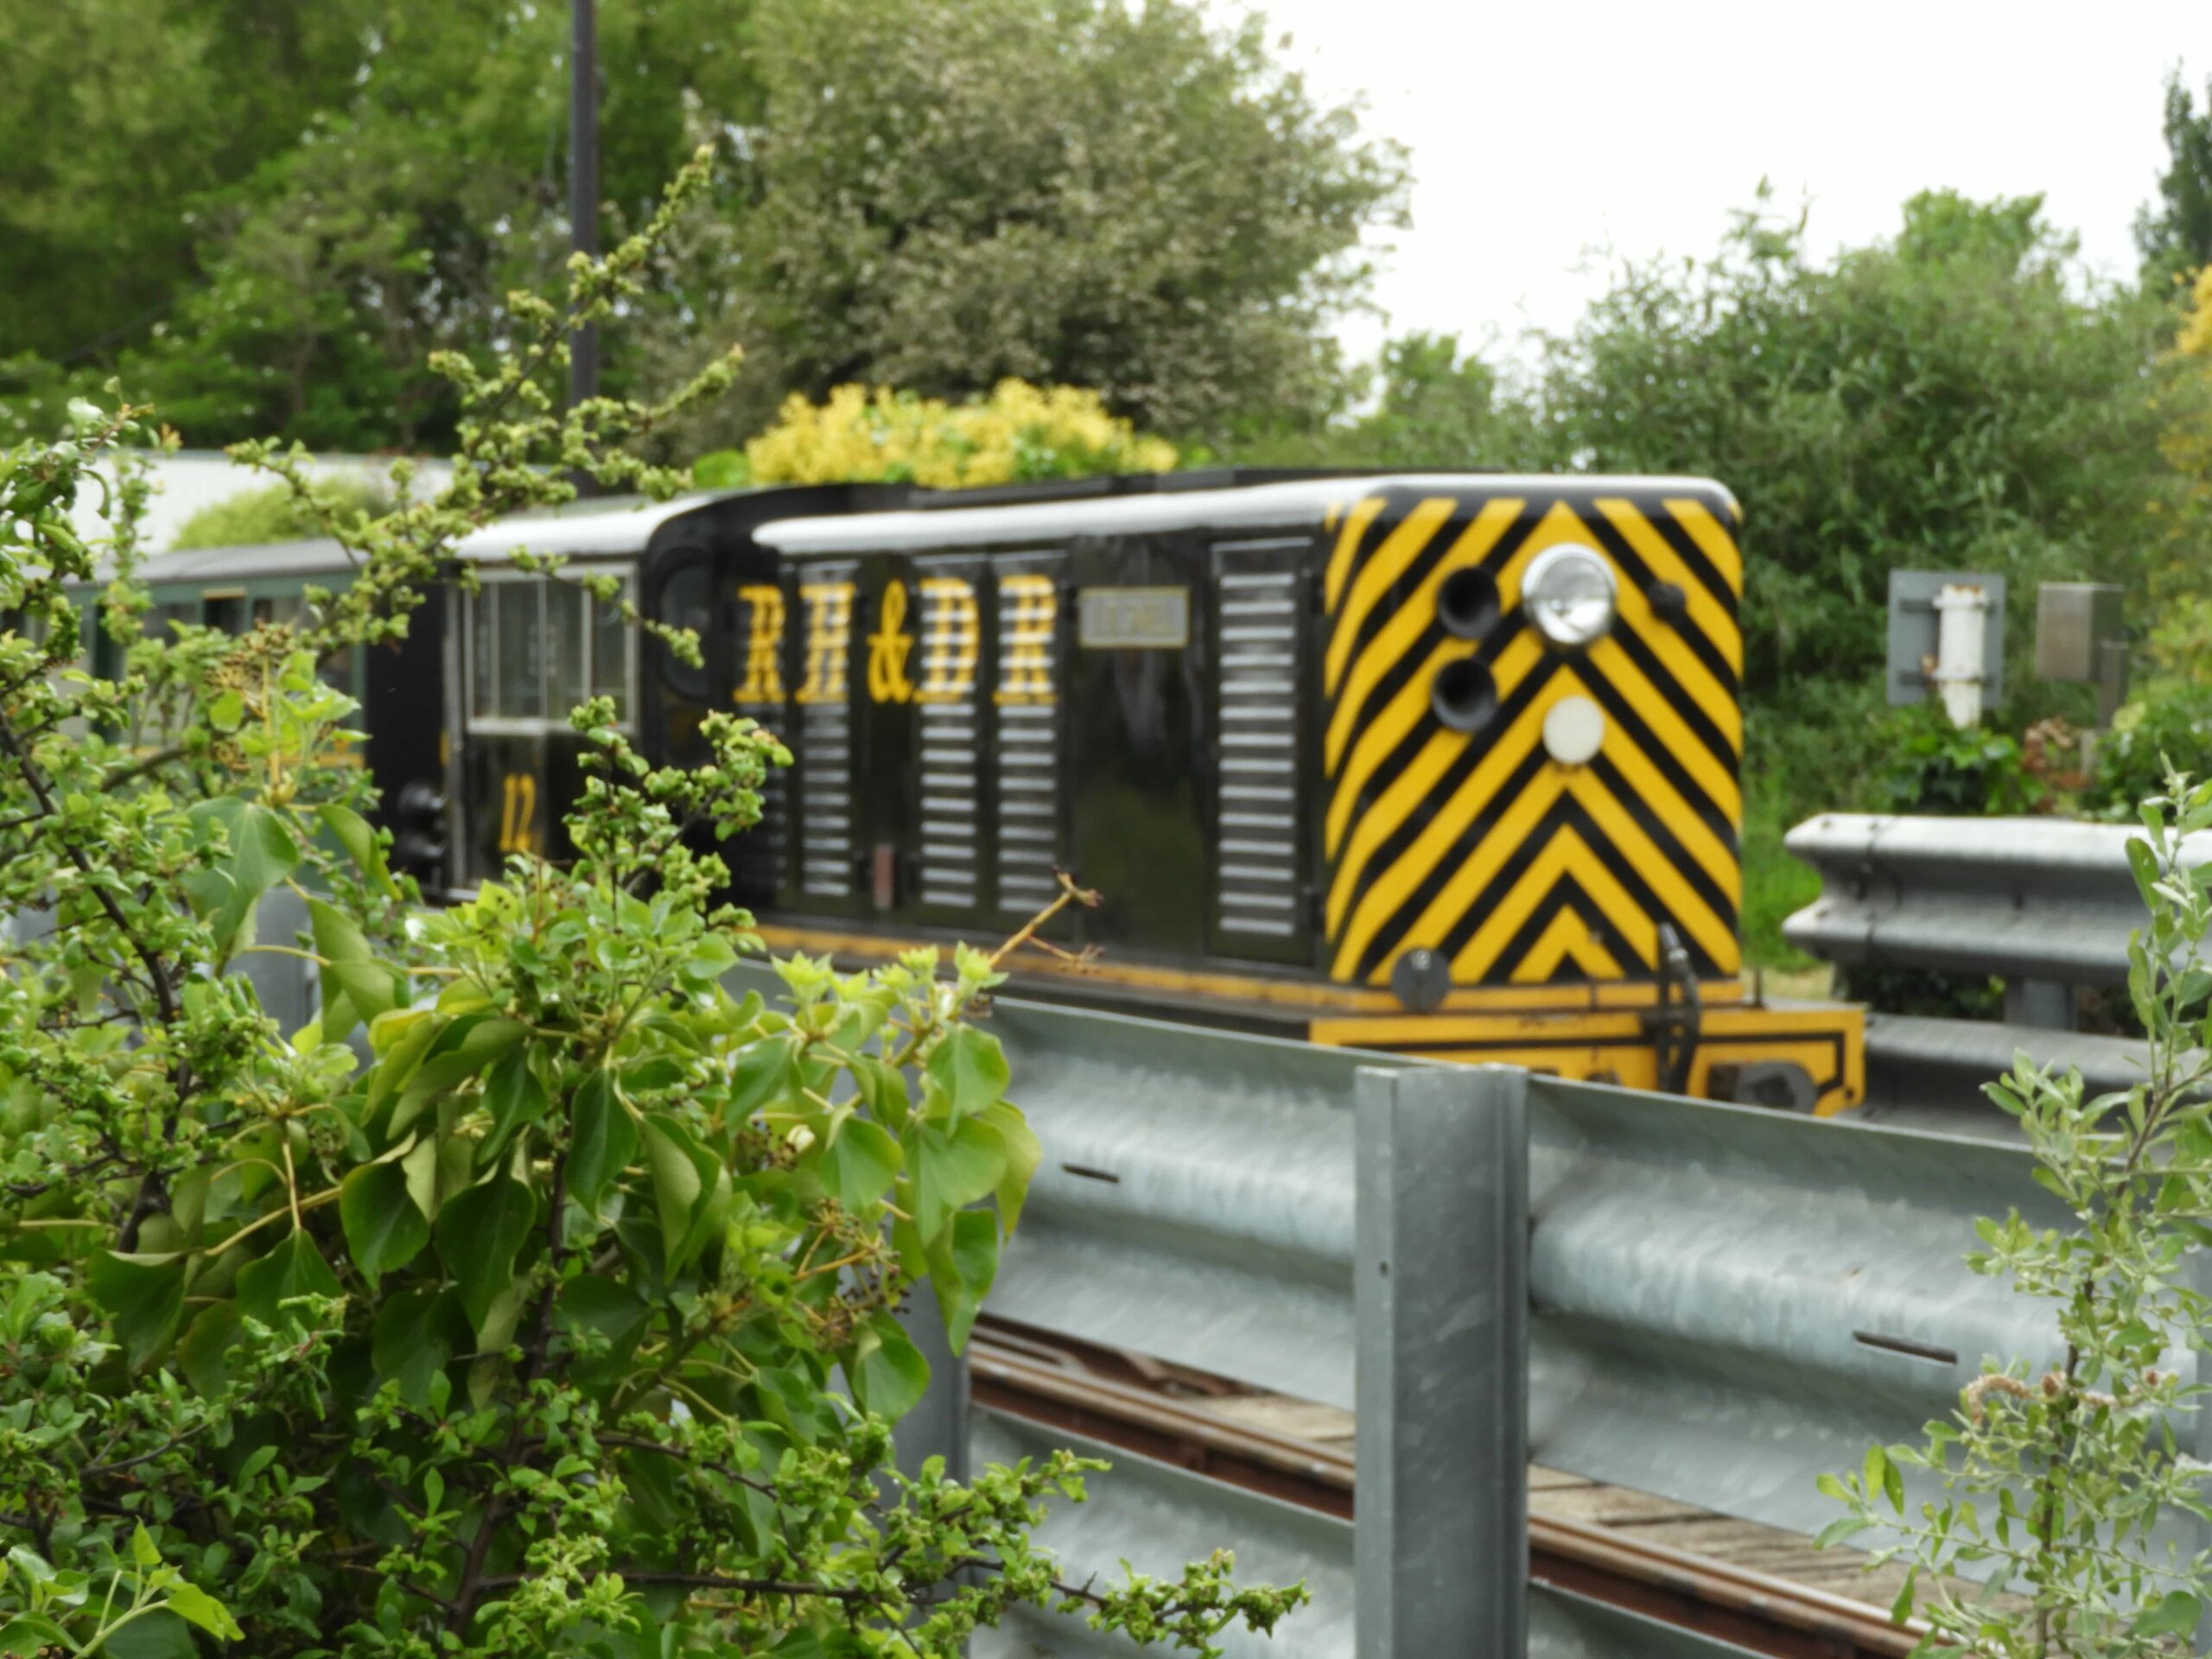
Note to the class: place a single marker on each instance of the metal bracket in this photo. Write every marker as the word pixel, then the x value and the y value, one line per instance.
pixel 1676 1023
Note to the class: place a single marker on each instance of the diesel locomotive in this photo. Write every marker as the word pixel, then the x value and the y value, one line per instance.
pixel 1441 763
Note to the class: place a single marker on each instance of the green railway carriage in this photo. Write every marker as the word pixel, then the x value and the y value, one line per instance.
pixel 400 686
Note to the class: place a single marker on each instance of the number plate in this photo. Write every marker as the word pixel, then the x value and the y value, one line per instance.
pixel 1134 619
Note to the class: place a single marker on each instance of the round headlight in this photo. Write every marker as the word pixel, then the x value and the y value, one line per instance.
pixel 1568 594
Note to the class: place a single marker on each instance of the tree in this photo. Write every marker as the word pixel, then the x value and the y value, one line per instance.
pixel 1435 406
pixel 1948 400
pixel 521 1333
pixel 2176 234
pixel 2053 1483
pixel 267 217
pixel 945 194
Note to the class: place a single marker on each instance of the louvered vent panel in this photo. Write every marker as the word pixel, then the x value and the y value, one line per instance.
pixel 951 756
pixel 1028 742
pixel 823 715
pixel 1256 644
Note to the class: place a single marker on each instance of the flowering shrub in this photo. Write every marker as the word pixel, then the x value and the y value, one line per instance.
pixel 1020 433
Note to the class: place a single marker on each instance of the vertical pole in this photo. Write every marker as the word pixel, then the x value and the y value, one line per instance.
pixel 583 180
pixel 1960 647
pixel 937 1426
pixel 1441 1296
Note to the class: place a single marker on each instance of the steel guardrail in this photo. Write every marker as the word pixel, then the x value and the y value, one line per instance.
pixel 1711 1303
pixel 2031 898
pixel 1726 1301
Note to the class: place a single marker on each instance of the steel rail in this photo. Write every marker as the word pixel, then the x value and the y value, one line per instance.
pixel 1014 1372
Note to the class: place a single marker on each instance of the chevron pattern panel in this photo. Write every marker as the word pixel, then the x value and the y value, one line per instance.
pixel 1519 869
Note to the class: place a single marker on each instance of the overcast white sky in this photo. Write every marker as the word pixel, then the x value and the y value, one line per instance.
pixel 1542 133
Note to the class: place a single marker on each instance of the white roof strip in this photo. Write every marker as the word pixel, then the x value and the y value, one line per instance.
pixel 1303 503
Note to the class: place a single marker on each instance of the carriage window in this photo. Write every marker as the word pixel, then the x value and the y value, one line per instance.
pixel 519 688
pixel 288 610
pixel 610 657
pixel 566 673
pixel 539 648
pixel 483 651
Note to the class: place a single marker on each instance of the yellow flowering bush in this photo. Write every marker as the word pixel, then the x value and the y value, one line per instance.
pixel 1020 433
pixel 2183 632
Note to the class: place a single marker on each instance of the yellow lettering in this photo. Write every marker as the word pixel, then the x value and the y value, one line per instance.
pixel 953 636
pixel 1025 654
pixel 763 644
pixel 829 630
pixel 518 807
pixel 887 649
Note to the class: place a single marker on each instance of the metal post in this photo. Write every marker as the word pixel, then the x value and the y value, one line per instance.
pixel 1441 1300
pixel 583 180
pixel 1959 651
pixel 937 1426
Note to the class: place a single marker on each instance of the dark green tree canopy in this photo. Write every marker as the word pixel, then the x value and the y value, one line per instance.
pixel 1959 398
pixel 265 215
pixel 946 193
pixel 2176 233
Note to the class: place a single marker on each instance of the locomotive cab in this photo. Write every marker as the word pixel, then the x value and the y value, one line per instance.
pixel 1442 764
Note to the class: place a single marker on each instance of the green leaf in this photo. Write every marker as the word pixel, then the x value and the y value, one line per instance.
pixel 144 1551
pixel 2176 1614
pixel 515 1098
pixel 691 1187
pixel 964 1261
pixel 361 845
pixel 144 1294
pixel 355 986
pixel 1900 1608
pixel 26 1634
pixel 602 1142
pixel 203 1354
pixel 1893 1483
pixel 892 1374
pixel 294 1267
pixel 416 1332
pixel 262 852
pixel 190 1602
pixel 463 1052
pixel 764 1072
pixel 384 1227
pixel 1023 1154
pixel 882 1091
pixel 1877 1471
pixel 227 711
pixel 480 1231
pixel 860 1164
pixel 952 1167
pixel 156 1635
pixel 970 1067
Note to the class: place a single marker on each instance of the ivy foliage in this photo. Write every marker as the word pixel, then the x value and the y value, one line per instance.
pixel 2073 1486
pixel 537 1297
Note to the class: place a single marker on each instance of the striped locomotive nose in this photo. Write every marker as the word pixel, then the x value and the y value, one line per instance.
pixel 1524 811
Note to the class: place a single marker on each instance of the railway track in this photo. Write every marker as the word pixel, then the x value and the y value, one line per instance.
pixel 1603 1543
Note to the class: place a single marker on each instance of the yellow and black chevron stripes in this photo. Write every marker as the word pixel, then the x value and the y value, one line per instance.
pixel 1519 869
